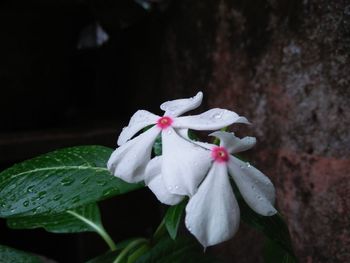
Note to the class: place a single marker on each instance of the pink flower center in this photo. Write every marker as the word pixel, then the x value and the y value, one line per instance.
pixel 164 122
pixel 219 154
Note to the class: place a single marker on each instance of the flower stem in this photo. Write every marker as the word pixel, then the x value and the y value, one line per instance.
pixel 127 249
pixel 97 227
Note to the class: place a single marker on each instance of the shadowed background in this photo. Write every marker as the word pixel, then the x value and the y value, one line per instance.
pixel 282 64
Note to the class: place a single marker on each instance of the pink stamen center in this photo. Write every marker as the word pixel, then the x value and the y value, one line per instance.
pixel 164 122
pixel 219 154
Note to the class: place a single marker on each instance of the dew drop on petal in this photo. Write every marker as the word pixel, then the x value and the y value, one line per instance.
pixel 217 116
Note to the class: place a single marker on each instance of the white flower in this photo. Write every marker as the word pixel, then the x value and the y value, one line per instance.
pixel 183 162
pixel 212 213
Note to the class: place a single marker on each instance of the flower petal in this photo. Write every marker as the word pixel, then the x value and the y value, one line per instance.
pixel 154 181
pixel 210 120
pixel 129 161
pixel 255 188
pixel 232 143
pixel 184 163
pixel 177 107
pixel 212 214
pixel 138 121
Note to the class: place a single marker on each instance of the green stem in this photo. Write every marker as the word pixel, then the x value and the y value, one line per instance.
pixel 161 229
pixel 139 252
pixel 127 249
pixel 98 228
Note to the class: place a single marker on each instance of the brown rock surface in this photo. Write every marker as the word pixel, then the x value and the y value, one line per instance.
pixel 285 65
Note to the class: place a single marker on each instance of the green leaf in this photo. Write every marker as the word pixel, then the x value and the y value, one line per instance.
pixel 173 218
pixel 157 146
pixel 108 257
pixel 174 251
pixel 8 254
pixel 272 227
pixel 59 181
pixel 59 223
pixel 274 253
pixel 111 256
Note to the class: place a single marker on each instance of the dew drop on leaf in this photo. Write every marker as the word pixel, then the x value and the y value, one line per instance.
pixel 41 195
pixel 30 189
pixel 85 180
pixel 108 191
pixel 67 181
pixel 57 197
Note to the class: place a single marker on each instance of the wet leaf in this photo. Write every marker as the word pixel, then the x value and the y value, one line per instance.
pixel 8 254
pixel 58 181
pixel 59 223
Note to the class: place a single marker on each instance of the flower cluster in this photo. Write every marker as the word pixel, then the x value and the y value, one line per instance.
pixel 195 169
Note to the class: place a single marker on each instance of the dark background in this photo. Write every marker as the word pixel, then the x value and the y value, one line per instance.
pixel 284 64
pixel 55 95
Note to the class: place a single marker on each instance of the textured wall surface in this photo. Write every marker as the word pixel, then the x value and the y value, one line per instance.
pixel 285 65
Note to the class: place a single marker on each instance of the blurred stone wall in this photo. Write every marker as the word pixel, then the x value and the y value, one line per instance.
pixel 285 66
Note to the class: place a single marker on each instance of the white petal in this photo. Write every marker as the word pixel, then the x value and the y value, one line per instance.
pixel 184 163
pixel 154 181
pixel 177 107
pixel 213 119
pixel 129 161
pixel 138 121
pixel 183 133
pixel 232 143
pixel 255 188
pixel 212 214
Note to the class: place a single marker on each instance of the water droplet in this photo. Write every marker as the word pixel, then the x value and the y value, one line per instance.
pixel 85 180
pixel 176 187
pixel 242 167
pixel 30 189
pixel 67 181
pixel 35 210
pixel 170 188
pixel 259 197
pixel 169 132
pixel 218 115
pixel 107 191
pixel 57 197
pixel 248 165
pixel 102 182
pixel 41 195
pixel 76 199
pixel 26 203
pixel 13 210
